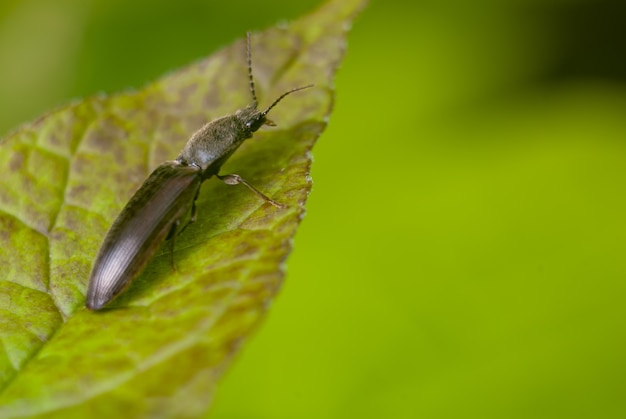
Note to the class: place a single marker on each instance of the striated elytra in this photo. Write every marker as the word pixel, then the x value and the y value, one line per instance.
pixel 168 196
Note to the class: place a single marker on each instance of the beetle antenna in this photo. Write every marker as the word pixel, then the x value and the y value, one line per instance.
pixel 265 112
pixel 249 56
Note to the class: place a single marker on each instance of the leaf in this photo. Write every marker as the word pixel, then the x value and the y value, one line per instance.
pixel 161 349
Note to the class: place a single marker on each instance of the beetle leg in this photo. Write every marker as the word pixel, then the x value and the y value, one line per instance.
pixel 192 217
pixel 173 234
pixel 234 179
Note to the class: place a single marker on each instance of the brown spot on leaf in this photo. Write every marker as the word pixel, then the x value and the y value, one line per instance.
pixel 17 162
pixel 188 91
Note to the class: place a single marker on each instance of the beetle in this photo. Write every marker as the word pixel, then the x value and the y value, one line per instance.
pixel 168 196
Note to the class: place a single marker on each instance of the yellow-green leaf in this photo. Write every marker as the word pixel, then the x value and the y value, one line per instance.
pixel 165 342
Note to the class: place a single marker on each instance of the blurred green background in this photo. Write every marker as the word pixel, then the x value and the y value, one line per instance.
pixel 462 255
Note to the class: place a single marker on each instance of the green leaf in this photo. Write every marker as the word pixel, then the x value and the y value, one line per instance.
pixel 165 342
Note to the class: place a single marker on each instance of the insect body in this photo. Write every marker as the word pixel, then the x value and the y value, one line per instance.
pixel 157 209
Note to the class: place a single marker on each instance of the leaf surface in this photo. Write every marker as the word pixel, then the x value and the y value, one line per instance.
pixel 161 348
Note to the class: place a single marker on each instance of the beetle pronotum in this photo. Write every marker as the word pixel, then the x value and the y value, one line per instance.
pixel 156 210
